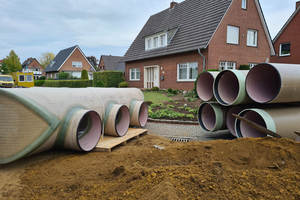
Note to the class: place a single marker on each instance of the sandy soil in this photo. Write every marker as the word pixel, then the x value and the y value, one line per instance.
pixel 243 168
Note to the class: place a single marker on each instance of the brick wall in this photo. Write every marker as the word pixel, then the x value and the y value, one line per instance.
pixel 36 64
pixel 290 34
pixel 78 57
pixel 245 19
pixel 167 68
pixel 101 64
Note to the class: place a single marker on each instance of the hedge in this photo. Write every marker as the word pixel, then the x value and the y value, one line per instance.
pixel 68 83
pixel 39 82
pixel 109 78
pixel 84 74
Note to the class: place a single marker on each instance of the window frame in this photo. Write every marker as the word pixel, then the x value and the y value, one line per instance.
pixel 280 49
pixel 249 31
pixel 226 65
pixel 76 64
pixel 244 4
pixel 28 75
pixel 251 65
pixel 135 74
pixel 155 41
pixel 229 32
pixel 188 71
pixel 23 78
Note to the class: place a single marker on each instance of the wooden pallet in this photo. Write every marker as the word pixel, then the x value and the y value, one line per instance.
pixel 108 142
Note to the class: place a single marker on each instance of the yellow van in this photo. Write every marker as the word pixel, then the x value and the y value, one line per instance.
pixel 23 79
pixel 6 81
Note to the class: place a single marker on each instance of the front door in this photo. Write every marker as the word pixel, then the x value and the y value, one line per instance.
pixel 151 77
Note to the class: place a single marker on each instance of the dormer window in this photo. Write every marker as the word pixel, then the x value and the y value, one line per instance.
pixel 155 41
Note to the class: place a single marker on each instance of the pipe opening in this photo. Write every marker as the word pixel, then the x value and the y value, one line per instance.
pixel 230 119
pixel 89 130
pixel 226 87
pixel 263 83
pixel 204 86
pixel 207 117
pixel 244 130
pixel 143 114
pixel 122 120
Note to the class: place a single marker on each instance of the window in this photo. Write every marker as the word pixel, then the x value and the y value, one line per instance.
pixel 226 65
pixel 134 74
pixel 187 71
pixel 21 78
pixel 285 49
pixel 29 78
pixel 252 38
pixel 56 75
pixel 162 40
pixel 156 41
pixel 233 34
pixel 244 4
pixel 77 64
pixel 251 65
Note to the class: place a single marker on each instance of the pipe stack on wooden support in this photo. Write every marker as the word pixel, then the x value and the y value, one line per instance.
pixel 266 95
pixel 33 120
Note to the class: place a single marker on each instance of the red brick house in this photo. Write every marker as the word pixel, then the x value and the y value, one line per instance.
pixel 71 60
pixel 111 63
pixel 287 41
pixel 33 65
pixel 178 43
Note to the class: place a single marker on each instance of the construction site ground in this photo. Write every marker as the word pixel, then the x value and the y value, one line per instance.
pixel 154 167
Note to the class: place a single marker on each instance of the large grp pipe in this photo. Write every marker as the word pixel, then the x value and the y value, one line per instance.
pixel 229 87
pixel 204 85
pixel 283 121
pixel 274 83
pixel 36 119
pixel 211 116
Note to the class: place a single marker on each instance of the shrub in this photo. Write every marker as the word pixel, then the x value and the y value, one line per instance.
pixel 175 92
pixel 244 67
pixel 99 84
pixel 148 90
pixel 84 74
pixel 170 90
pixel 42 78
pixel 155 89
pixel 63 75
pixel 39 82
pixel 124 84
pixel 170 100
pixel 195 84
pixel 109 78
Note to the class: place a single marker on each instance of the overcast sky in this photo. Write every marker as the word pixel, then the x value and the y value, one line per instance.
pixel 99 27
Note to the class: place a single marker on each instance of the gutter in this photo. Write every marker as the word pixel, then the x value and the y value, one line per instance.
pixel 199 51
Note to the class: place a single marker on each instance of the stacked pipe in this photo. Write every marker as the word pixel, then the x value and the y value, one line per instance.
pixel 33 120
pixel 266 95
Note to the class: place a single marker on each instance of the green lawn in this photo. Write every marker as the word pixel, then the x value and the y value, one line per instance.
pixel 154 97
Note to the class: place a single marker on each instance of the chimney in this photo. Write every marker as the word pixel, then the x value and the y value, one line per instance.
pixel 297 4
pixel 173 4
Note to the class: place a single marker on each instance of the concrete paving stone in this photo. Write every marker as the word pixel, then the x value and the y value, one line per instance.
pixel 192 132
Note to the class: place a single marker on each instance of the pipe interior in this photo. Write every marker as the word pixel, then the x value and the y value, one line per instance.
pixel 122 120
pixel 230 119
pixel 143 114
pixel 205 86
pixel 263 83
pixel 89 130
pixel 248 131
pixel 228 87
pixel 208 117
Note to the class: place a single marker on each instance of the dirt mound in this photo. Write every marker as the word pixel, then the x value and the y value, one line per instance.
pixel 244 168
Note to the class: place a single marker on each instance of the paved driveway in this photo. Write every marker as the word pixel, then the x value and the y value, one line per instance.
pixel 185 132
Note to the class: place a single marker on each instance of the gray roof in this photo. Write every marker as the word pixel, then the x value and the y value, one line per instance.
pixel 120 67
pixel 196 20
pixel 59 59
pixel 111 62
pixel 27 62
